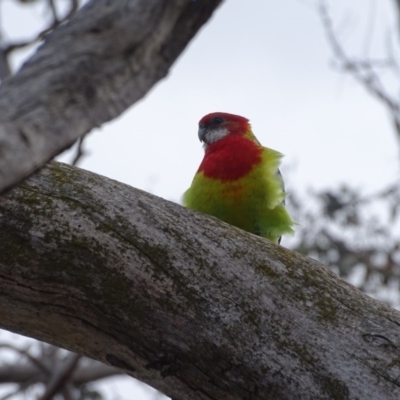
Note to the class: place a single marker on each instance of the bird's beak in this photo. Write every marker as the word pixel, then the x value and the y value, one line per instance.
pixel 202 133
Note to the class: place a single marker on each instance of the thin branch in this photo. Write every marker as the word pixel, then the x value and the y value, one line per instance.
pixel 34 360
pixel 80 151
pixel 67 392
pixel 394 64
pixel 87 371
pixel 38 37
pixel 369 33
pixel 361 70
pixel 21 388
pixel 398 12
pixel 53 10
pixel 61 375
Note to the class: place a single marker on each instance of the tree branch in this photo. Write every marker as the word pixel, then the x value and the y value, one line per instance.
pixel 192 306
pixel 22 373
pixel 5 69
pixel 61 374
pixel 88 71
pixel 362 70
pixel 39 36
pixel 80 152
pixel 37 364
pixel 398 9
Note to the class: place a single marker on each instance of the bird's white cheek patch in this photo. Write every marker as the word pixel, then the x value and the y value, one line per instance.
pixel 214 135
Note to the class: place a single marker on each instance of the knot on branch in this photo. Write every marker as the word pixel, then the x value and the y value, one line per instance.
pixel 167 364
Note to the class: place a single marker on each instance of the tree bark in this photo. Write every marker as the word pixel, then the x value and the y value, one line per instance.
pixel 88 72
pixel 182 301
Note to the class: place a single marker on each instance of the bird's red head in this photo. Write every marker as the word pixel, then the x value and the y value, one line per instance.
pixel 217 125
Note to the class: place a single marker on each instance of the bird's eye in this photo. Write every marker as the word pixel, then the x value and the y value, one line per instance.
pixel 217 120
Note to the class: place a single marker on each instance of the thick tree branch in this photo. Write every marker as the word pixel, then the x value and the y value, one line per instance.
pixel 182 301
pixel 88 71
pixel 39 36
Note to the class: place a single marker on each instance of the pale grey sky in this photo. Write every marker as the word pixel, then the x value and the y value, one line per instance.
pixel 268 61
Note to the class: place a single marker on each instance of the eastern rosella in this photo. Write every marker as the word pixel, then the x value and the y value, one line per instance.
pixel 238 180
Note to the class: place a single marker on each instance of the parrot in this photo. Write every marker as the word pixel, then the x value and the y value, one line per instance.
pixel 238 180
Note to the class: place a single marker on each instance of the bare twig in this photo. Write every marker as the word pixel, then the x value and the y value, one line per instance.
pixel 60 376
pixel 398 6
pixel 56 22
pixel 53 9
pixel 362 70
pixel 369 34
pixel 5 50
pixel 34 360
pixel 20 389
pixel 20 372
pixel 394 64
pixel 80 151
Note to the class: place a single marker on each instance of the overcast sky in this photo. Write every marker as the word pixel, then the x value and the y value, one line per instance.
pixel 270 62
